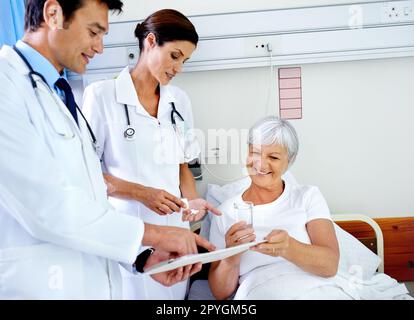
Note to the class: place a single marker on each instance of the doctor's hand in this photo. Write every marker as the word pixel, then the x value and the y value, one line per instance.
pixel 157 200
pixel 277 244
pixel 202 206
pixel 160 201
pixel 172 277
pixel 175 240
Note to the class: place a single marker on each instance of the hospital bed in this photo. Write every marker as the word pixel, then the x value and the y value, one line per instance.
pixel 361 271
pixel 377 230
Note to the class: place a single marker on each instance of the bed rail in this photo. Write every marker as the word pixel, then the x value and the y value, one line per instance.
pixel 375 226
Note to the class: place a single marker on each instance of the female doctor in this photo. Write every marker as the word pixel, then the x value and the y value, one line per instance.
pixel 144 130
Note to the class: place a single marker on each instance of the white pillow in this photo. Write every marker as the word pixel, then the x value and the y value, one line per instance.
pixel 216 194
pixel 355 258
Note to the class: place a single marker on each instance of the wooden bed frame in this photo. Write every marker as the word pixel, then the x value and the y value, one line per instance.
pixel 376 243
pixel 397 241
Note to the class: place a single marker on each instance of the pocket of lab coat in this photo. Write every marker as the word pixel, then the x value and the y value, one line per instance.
pixel 42 271
pixel 168 150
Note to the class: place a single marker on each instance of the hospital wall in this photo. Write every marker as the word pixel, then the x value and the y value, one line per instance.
pixel 355 134
pixel 356 131
pixel 139 9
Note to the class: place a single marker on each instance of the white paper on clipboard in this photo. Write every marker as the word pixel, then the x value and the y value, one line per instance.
pixel 201 257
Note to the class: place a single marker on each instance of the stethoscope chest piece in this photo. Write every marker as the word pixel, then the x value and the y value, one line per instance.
pixel 129 133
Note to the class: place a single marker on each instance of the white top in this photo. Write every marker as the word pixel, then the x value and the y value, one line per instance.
pixel 153 157
pixel 296 206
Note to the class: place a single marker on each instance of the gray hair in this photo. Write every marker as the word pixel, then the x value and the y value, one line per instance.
pixel 273 130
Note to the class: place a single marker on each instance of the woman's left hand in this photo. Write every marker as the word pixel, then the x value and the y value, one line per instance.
pixel 277 244
pixel 202 206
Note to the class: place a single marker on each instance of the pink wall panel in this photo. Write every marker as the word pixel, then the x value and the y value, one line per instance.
pixel 290 93
pixel 291 114
pixel 290 73
pixel 289 83
pixel 290 103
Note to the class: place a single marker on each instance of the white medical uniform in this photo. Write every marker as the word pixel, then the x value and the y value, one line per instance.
pixel 151 159
pixel 59 237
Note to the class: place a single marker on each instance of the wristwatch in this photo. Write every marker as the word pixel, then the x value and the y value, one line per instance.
pixel 141 259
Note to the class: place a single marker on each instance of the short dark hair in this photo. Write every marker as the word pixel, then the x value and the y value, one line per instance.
pixel 167 25
pixel 34 10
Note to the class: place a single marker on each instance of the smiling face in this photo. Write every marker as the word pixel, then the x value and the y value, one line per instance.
pixel 75 44
pixel 166 61
pixel 266 164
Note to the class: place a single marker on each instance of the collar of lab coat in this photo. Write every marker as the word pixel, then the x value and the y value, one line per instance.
pixel 20 66
pixel 39 63
pixel 14 60
pixel 126 94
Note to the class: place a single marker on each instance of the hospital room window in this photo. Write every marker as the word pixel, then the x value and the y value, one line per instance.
pixel 290 93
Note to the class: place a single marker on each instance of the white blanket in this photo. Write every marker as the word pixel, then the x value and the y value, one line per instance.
pixel 378 287
pixel 265 285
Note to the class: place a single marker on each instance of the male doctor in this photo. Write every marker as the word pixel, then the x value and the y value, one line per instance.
pixel 59 238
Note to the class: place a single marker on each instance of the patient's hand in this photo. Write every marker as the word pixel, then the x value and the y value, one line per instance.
pixel 202 206
pixel 172 277
pixel 238 233
pixel 276 245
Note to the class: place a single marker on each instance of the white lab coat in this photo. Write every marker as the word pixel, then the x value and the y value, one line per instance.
pixel 59 236
pixel 151 159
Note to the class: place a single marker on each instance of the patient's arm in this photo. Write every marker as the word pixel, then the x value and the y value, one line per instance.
pixel 223 276
pixel 321 257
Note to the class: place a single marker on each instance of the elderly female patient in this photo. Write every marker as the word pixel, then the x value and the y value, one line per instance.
pixel 301 252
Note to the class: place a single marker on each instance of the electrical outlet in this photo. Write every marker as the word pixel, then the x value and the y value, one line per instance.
pixel 397 11
pixel 259 46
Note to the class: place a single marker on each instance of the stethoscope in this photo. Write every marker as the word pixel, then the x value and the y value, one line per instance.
pixel 129 132
pixel 33 73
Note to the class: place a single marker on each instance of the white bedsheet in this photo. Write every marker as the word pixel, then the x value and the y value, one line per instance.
pixel 344 286
pixel 265 284
pixel 378 287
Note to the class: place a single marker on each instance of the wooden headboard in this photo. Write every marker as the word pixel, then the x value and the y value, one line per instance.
pixel 398 236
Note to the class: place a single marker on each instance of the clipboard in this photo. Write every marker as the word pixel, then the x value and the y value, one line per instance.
pixel 201 257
